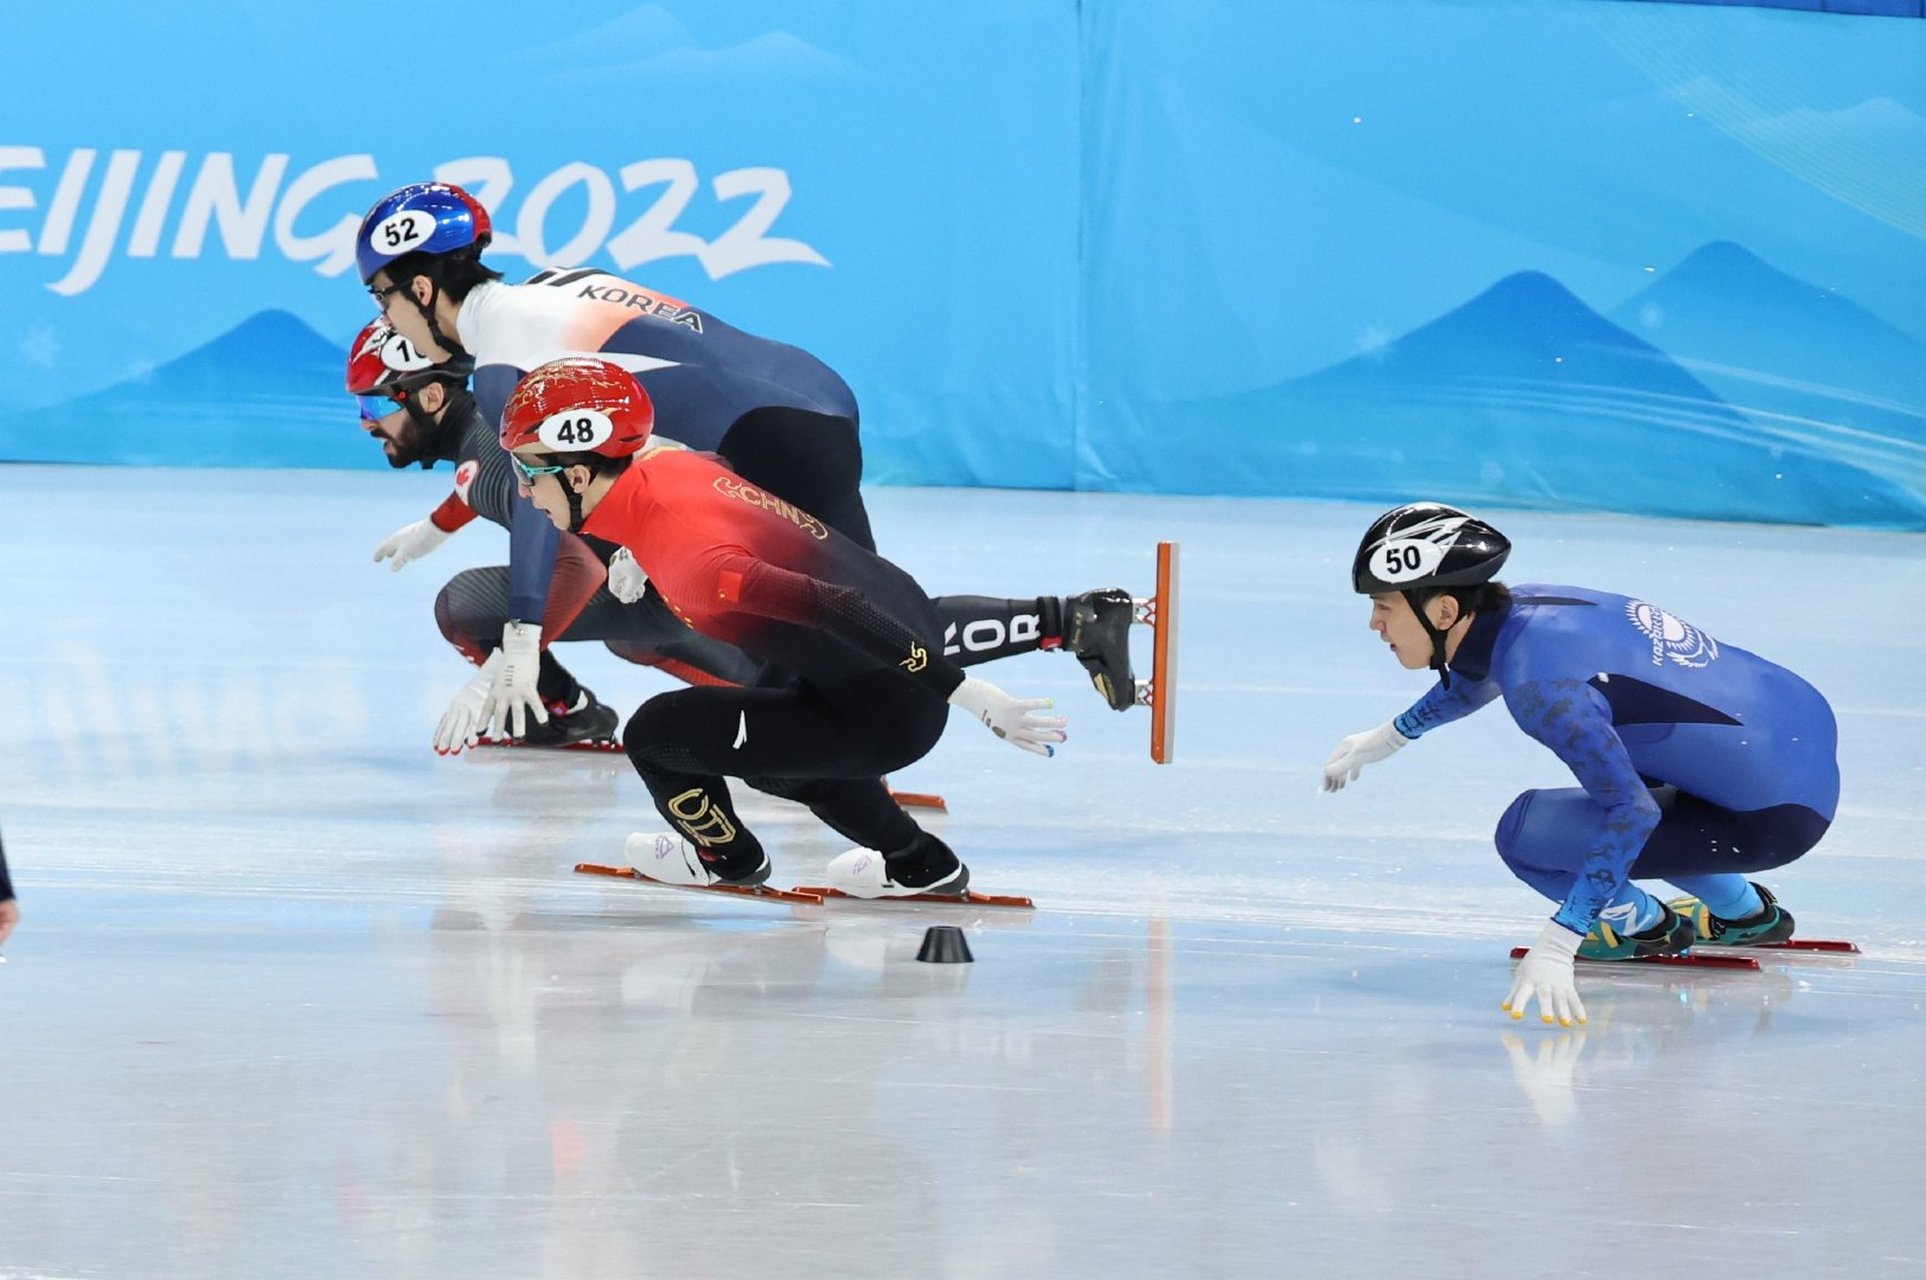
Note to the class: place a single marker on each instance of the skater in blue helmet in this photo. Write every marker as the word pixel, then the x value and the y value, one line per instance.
pixel 1697 761
pixel 780 417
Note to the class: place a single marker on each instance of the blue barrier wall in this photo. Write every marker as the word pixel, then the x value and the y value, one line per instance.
pixel 1643 257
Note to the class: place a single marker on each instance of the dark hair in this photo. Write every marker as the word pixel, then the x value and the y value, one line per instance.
pixel 1484 597
pixel 455 274
pixel 598 464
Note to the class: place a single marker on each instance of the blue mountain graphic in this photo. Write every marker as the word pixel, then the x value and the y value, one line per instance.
pixel 1525 396
pixel 1800 359
pixel 266 393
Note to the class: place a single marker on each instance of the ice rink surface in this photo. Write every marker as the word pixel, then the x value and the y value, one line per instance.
pixel 294 997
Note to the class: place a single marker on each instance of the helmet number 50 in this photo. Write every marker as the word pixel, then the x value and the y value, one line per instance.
pixel 1405 559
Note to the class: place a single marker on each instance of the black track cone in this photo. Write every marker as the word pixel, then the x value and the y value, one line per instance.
pixel 944 944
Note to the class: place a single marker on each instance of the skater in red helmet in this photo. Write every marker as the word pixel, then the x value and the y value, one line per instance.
pixel 854 684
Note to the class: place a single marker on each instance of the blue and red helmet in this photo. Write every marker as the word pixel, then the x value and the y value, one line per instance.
pixel 424 217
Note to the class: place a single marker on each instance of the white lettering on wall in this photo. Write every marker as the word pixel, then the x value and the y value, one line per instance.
pixel 630 219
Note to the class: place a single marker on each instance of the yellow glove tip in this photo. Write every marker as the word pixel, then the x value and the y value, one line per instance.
pixel 1546 1018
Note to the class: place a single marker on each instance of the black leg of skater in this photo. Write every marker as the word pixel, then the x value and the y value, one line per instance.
pixel 824 747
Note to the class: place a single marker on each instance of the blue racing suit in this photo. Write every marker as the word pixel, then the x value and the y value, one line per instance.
pixel 1694 757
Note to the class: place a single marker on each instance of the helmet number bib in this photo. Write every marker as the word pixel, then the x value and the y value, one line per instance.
pixel 1406 559
pixel 399 232
pixel 400 355
pixel 575 430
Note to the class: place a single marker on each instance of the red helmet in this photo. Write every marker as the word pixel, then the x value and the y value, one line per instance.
pixel 578 405
pixel 382 361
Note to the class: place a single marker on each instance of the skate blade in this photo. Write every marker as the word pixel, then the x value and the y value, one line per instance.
pixel 805 896
pixel 510 744
pixel 1159 693
pixel 1824 945
pixel 971 899
pixel 1693 959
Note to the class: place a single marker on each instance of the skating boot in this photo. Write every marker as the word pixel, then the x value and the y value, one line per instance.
pixel 671 860
pixel 1096 627
pixel 1771 923
pixel 590 721
pixel 1670 936
pixel 926 866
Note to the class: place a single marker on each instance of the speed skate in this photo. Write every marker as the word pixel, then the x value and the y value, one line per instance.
pixel 1159 692
pixel 862 875
pixel 601 746
pixel 803 897
pixel 1708 955
pixel 968 898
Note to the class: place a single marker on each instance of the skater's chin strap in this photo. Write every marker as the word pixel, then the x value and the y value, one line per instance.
pixel 429 442
pixel 1438 662
pixel 427 309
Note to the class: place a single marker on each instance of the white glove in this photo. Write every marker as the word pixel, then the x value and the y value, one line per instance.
pixel 410 542
pixel 1012 719
pixel 1546 971
pixel 1361 749
pixel 627 582
pixel 512 697
pixel 461 724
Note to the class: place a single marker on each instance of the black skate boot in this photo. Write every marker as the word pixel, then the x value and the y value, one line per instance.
pixel 1096 627
pixel 589 722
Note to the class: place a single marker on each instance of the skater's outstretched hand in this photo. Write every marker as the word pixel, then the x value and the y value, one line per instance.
pixel 627 582
pixel 1547 973
pixel 1360 749
pixel 410 542
pixel 1015 720
pixel 9 917
pixel 512 698
pixel 462 723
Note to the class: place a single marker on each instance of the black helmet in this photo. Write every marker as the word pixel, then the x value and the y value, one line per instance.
pixel 1424 547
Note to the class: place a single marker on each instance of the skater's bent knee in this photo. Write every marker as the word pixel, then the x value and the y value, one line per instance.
pixel 1512 824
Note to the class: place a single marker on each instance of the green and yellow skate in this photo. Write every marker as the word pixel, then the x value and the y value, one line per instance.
pixel 1669 937
pixel 1771 923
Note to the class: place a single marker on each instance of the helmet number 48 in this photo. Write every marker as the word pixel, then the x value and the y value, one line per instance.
pixel 575 429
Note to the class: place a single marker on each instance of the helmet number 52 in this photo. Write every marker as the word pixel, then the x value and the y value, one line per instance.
pixel 403 230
